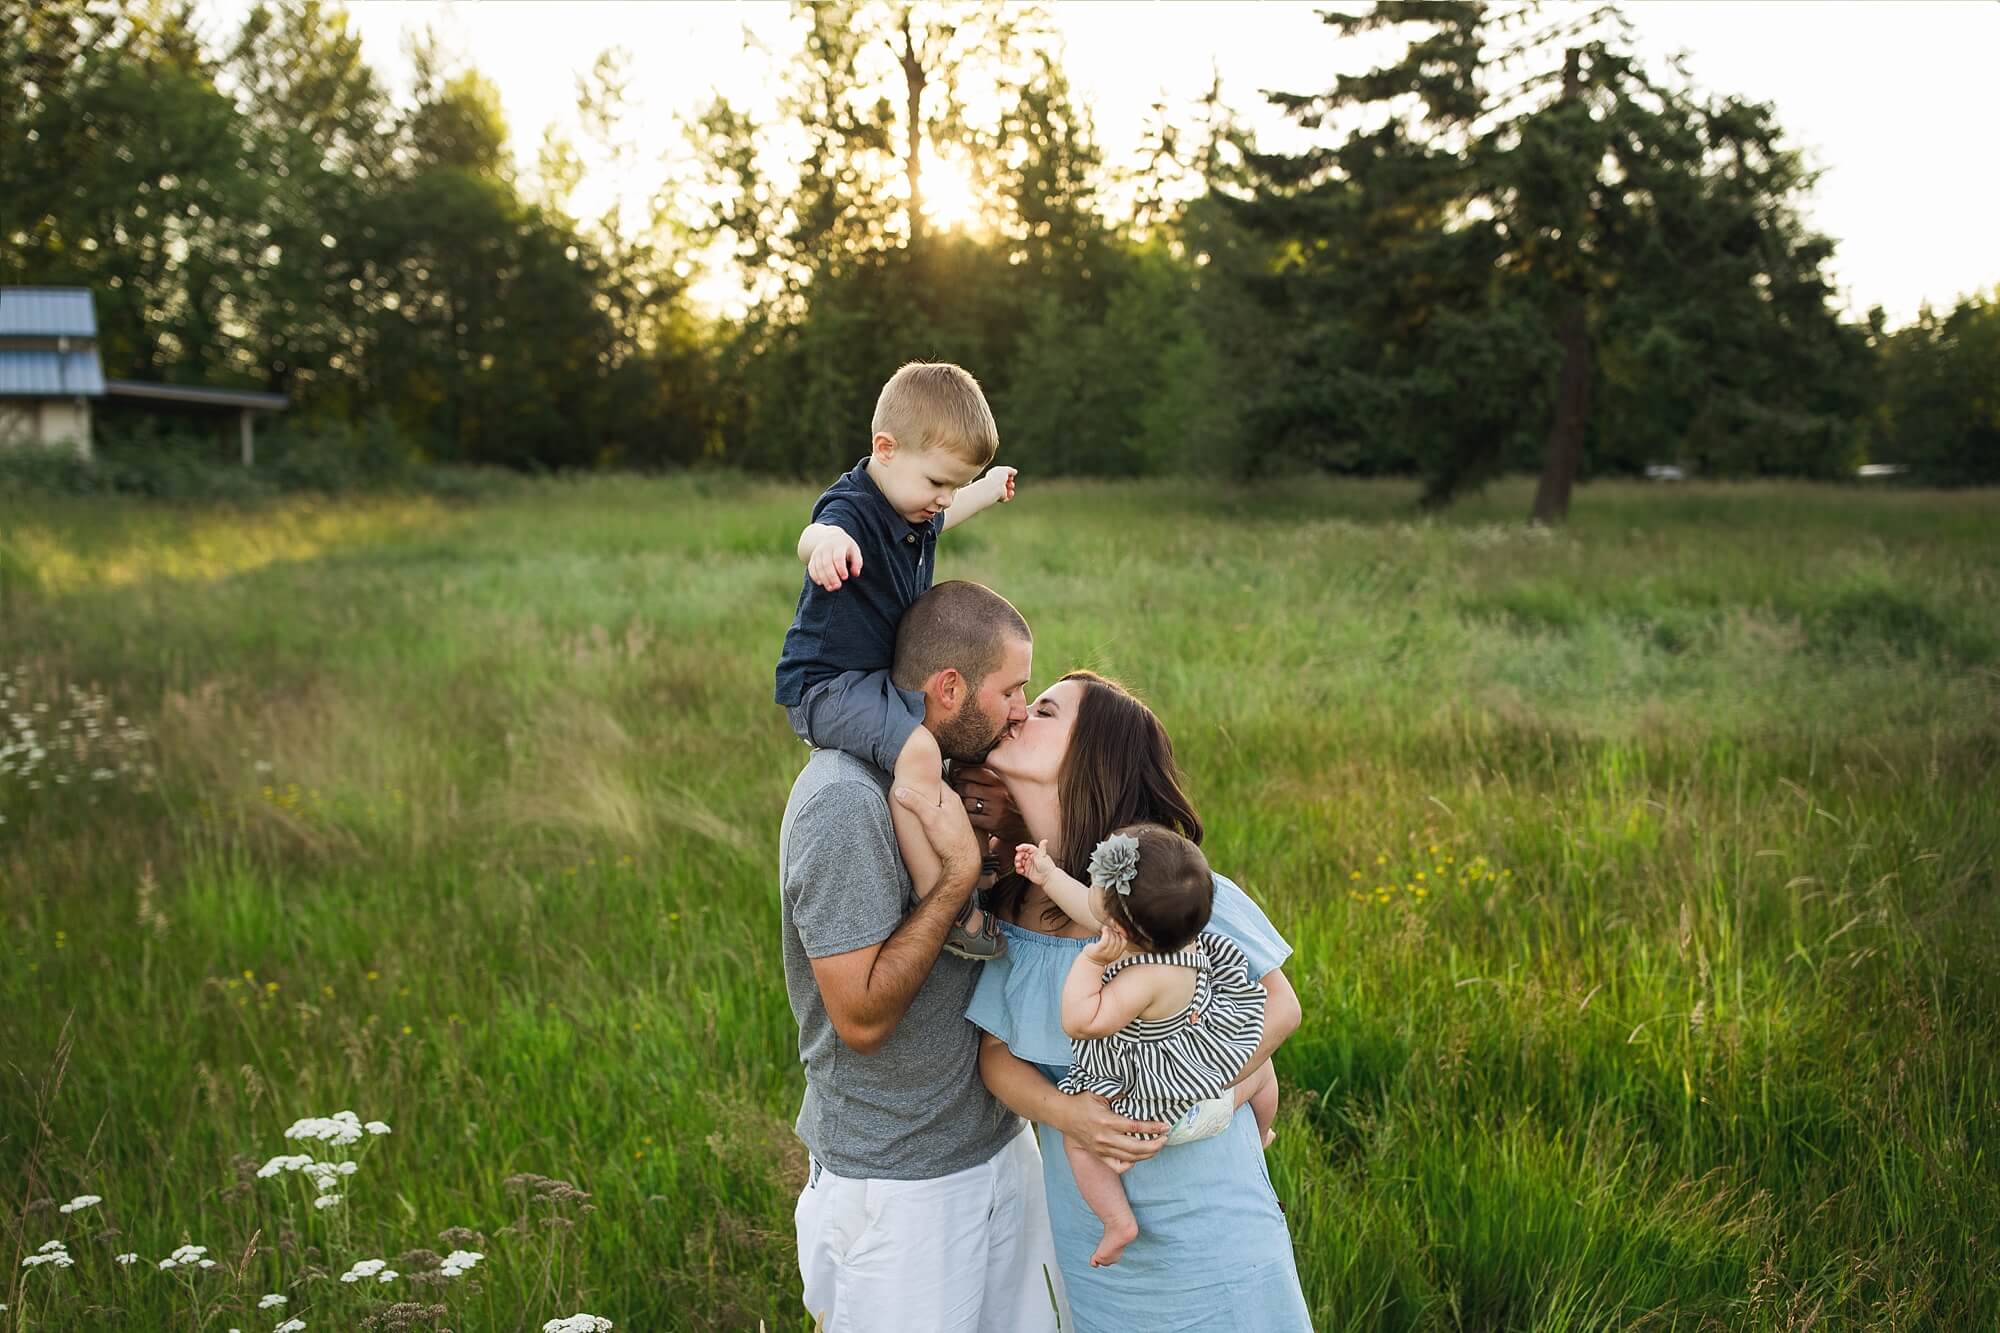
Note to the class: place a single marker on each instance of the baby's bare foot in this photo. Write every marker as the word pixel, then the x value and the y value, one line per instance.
pixel 1117 1235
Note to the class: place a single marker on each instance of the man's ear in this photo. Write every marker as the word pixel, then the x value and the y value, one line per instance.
pixel 950 689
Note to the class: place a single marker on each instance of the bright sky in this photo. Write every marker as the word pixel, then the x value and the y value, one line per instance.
pixel 1893 99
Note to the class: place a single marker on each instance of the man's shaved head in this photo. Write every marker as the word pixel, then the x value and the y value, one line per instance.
pixel 961 625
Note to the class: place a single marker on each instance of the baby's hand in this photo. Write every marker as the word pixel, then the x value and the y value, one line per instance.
pixel 1107 948
pixel 835 558
pixel 1003 483
pixel 1033 861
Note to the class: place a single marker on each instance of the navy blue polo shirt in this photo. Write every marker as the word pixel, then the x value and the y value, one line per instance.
pixel 854 629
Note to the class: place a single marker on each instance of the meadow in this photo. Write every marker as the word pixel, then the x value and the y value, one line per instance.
pixel 1641 875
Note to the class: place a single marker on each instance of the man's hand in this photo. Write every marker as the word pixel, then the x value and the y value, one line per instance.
pixel 835 557
pixel 1091 1124
pixel 950 835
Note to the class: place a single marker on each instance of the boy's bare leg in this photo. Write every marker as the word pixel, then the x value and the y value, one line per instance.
pixel 1260 1089
pixel 1105 1193
pixel 920 768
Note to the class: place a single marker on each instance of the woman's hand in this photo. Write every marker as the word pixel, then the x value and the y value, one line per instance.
pixel 987 804
pixel 1108 947
pixel 1090 1123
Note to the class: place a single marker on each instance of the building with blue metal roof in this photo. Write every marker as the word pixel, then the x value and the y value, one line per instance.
pixel 50 373
pixel 49 369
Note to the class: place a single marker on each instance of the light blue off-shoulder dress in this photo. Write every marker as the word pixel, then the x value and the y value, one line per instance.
pixel 1213 1252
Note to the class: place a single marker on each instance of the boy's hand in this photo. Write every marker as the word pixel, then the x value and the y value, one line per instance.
pixel 836 557
pixel 1033 860
pixel 1003 483
pixel 1107 948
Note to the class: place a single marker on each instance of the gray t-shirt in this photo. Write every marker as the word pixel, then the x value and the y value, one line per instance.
pixel 915 1109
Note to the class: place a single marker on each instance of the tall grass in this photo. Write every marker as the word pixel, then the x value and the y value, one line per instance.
pixel 1641 876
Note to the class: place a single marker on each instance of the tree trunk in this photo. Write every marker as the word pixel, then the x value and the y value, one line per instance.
pixel 1565 448
pixel 913 79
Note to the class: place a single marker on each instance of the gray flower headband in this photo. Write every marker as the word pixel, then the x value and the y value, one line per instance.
pixel 1115 862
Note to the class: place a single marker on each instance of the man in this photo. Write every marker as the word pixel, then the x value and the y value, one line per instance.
pixel 924 1207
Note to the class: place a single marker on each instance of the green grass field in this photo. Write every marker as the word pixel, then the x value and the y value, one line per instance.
pixel 1642 878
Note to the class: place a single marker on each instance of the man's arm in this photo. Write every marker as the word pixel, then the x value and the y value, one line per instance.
pixel 867 991
pixel 996 487
pixel 1083 1119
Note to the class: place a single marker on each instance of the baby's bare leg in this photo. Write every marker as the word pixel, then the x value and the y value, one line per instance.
pixel 1260 1089
pixel 1105 1193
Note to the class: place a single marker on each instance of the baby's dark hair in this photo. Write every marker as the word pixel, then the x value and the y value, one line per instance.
pixel 1172 891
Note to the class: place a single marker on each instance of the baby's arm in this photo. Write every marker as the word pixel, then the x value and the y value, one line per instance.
pixel 1033 861
pixel 996 487
pixel 830 554
pixel 1091 1008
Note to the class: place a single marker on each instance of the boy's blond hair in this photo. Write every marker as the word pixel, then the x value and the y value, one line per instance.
pixel 936 405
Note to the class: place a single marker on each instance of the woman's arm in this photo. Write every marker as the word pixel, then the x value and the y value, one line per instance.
pixel 1084 1120
pixel 1282 1016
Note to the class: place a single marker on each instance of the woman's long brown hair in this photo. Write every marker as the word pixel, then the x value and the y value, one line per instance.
pixel 1119 769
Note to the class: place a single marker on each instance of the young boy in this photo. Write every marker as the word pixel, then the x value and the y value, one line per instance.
pixel 869 552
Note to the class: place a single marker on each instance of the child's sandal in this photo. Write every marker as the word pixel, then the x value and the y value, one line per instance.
pixel 977 945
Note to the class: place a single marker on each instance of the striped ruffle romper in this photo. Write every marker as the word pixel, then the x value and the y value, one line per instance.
pixel 1156 1068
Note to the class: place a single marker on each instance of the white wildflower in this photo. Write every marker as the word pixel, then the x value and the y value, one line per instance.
pixel 364 1268
pixel 376 1127
pixel 80 1202
pixel 127 1259
pixel 578 1323
pixel 290 1326
pixel 339 1129
pixel 387 1275
pixel 272 1301
pixel 206 1263
pixel 294 1162
pixel 188 1254
pixel 459 1261
pixel 328 1201
pixel 52 1252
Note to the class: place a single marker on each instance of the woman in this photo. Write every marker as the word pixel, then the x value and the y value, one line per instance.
pixel 1213 1251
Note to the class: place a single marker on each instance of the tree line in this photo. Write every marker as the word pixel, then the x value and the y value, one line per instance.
pixel 1518 250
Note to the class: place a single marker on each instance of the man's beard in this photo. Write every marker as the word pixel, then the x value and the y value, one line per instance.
pixel 968 738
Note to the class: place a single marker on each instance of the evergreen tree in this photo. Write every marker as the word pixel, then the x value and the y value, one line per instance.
pixel 1464 270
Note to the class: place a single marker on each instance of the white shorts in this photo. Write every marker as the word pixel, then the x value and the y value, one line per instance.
pixel 970 1252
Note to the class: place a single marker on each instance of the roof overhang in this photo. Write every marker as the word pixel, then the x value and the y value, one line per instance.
pixel 183 393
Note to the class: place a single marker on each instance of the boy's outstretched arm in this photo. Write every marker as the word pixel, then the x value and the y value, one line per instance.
pixel 830 554
pixel 996 487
